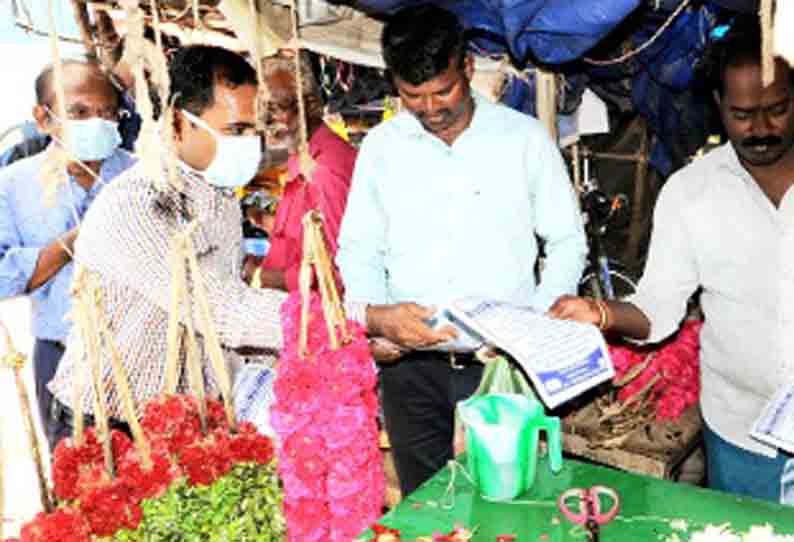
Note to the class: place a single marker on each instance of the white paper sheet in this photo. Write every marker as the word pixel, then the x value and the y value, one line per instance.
pixel 562 358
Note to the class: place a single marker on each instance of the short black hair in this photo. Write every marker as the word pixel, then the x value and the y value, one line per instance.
pixel 43 84
pixel 740 45
pixel 196 69
pixel 420 41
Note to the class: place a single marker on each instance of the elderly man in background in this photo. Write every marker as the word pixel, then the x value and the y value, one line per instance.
pixel 324 188
pixel 36 240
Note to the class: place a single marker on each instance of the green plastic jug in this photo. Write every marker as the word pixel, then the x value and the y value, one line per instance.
pixel 502 431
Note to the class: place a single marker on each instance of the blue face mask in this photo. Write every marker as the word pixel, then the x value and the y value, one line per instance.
pixel 93 139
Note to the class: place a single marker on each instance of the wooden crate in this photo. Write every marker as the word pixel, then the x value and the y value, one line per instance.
pixel 657 450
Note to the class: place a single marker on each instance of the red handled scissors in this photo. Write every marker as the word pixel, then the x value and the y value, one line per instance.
pixel 587 511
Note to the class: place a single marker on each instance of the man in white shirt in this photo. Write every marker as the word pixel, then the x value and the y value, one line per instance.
pixel 446 202
pixel 721 224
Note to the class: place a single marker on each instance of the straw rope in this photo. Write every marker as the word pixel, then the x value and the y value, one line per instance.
pixel 120 376
pixel 196 19
pixel 315 255
pixel 305 160
pixel 84 26
pixel 15 360
pixel 634 52
pixel 89 297
pixel 90 320
pixel 546 100
pixel 767 43
pixel 54 168
pixel 262 94
pixel 80 316
pixel 181 310
pixel 212 343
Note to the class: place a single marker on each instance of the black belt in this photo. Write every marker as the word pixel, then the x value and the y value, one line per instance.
pixel 63 413
pixel 59 344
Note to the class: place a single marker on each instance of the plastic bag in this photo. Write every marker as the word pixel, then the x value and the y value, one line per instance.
pixel 499 376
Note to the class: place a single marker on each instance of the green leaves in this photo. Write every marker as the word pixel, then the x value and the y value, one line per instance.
pixel 244 506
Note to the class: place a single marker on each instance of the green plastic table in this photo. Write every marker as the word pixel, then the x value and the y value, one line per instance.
pixel 648 506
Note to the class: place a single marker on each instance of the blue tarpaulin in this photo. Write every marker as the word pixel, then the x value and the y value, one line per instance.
pixel 657 82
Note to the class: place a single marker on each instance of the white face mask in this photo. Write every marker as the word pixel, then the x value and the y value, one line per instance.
pixel 93 139
pixel 236 158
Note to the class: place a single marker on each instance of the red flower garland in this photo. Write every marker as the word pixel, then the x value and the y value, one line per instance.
pixel 77 470
pixel 63 525
pixel 103 506
pixel 324 415
pixel 678 365
pixel 381 533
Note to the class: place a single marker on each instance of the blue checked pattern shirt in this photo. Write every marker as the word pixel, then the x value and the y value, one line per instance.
pixel 27 225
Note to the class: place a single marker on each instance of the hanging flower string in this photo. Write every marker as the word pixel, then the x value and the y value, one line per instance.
pixel 325 414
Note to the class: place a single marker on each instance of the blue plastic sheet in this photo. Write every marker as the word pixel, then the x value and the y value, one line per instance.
pixel 550 31
pixel 657 82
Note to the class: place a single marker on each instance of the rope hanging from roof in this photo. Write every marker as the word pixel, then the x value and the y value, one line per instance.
pixel 634 52
pixel 767 43
pixel 306 162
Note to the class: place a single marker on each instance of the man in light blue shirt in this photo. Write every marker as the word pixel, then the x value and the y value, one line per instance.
pixel 35 238
pixel 447 200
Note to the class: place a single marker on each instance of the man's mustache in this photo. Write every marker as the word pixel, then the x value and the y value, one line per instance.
pixel 445 113
pixel 768 141
pixel 273 129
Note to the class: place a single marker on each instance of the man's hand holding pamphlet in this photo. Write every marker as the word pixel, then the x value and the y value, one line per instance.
pixel 562 358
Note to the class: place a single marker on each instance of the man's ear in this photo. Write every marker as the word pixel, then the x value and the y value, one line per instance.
pixel 178 121
pixel 468 66
pixel 42 118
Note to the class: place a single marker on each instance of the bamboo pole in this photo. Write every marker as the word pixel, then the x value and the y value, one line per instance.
pixel 181 309
pixel 90 348
pixel 173 333
pixel 91 298
pixel 307 163
pixel 120 376
pixel 767 43
pixel 84 25
pixel 546 100
pixel 305 285
pixel 104 26
pixel 262 94
pixel 315 255
pixel 58 157
pixel 27 27
pixel 637 206
pixel 15 360
pixel 212 343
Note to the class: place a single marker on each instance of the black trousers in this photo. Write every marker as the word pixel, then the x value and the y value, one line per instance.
pixel 419 394
pixel 62 424
pixel 46 356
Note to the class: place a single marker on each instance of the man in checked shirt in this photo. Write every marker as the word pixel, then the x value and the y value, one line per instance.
pixel 126 239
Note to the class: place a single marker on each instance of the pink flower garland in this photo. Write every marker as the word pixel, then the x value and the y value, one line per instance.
pixel 324 415
pixel 678 364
